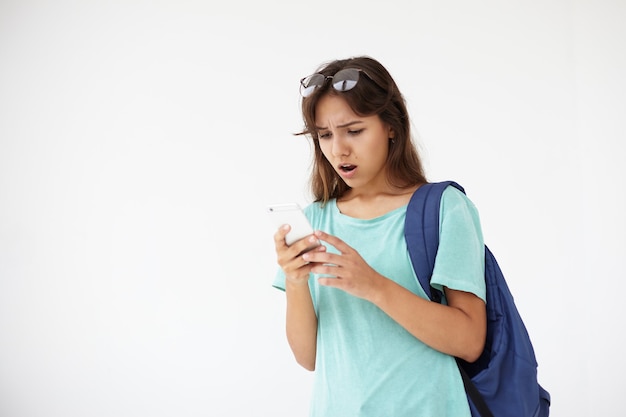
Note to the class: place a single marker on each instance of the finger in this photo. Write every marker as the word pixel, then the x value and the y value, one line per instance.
pixel 311 251
pixel 296 248
pixel 327 270
pixel 323 257
pixel 333 240
pixel 330 282
pixel 279 236
pixel 306 244
pixel 290 257
pixel 295 265
pixel 319 248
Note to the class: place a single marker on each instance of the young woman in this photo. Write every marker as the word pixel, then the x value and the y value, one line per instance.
pixel 356 313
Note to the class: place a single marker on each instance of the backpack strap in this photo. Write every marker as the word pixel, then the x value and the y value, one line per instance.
pixel 473 394
pixel 421 231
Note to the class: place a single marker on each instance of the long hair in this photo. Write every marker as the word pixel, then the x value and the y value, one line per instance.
pixel 376 93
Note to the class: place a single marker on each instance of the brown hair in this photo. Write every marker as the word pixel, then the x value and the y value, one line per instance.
pixel 375 93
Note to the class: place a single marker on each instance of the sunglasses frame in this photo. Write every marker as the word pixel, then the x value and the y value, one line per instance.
pixel 307 89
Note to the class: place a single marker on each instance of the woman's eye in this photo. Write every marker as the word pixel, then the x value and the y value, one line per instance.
pixel 324 135
pixel 355 132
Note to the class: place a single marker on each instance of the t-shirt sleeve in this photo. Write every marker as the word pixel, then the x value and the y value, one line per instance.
pixel 279 280
pixel 460 260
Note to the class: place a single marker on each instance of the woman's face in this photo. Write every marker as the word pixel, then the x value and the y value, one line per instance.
pixel 356 146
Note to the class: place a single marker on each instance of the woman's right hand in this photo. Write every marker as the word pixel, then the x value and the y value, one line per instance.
pixel 301 321
pixel 290 259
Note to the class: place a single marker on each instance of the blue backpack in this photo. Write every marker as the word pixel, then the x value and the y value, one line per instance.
pixel 503 381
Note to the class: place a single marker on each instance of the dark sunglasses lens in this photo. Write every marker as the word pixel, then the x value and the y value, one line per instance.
pixel 310 83
pixel 345 79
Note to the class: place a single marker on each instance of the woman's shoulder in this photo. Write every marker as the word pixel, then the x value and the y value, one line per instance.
pixel 453 197
pixel 455 203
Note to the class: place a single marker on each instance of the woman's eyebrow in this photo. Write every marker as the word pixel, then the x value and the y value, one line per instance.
pixel 341 126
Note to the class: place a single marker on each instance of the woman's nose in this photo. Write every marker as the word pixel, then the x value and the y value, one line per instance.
pixel 340 147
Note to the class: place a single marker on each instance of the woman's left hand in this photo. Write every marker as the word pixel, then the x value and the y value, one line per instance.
pixel 457 328
pixel 350 271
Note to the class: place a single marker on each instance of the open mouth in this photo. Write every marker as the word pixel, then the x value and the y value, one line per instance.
pixel 347 167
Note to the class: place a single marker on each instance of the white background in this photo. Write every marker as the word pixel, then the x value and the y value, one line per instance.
pixel 141 141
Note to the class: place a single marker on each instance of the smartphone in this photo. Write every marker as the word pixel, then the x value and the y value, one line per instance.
pixel 291 214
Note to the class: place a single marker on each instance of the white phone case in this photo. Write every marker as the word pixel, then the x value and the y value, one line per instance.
pixel 291 214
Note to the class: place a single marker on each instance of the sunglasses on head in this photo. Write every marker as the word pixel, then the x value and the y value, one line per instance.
pixel 343 80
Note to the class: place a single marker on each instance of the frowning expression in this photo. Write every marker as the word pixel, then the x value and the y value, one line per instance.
pixel 356 146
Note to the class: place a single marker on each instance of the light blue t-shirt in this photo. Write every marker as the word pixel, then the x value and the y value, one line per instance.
pixel 367 365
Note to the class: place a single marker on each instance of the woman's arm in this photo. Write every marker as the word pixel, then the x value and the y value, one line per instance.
pixel 301 324
pixel 301 320
pixel 457 329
